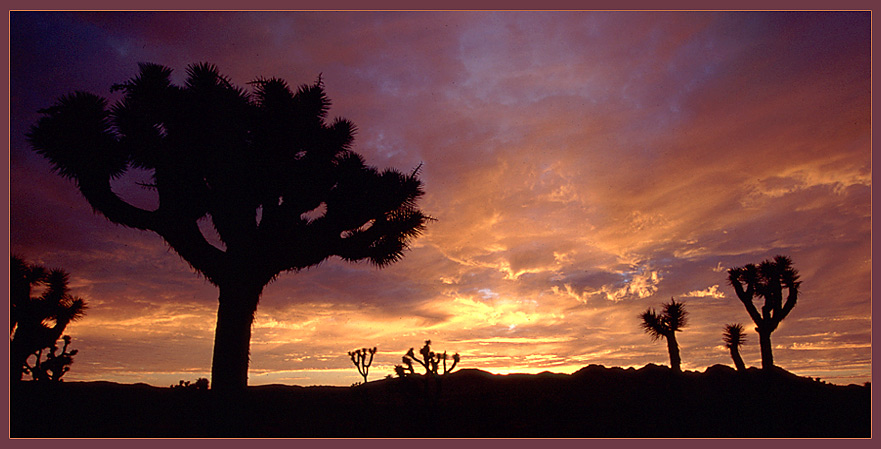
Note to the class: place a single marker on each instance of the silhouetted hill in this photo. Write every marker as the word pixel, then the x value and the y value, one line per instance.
pixel 595 401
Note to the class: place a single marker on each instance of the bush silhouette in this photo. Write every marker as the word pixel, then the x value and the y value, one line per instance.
pixel 671 320
pixel 279 183
pixel 37 322
pixel 200 384
pixel 766 281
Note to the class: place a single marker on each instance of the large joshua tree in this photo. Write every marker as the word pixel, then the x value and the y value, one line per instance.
pixel 37 322
pixel 766 281
pixel 665 325
pixel 734 338
pixel 279 183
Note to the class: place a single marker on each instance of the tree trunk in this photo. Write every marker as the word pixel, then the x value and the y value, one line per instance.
pixel 765 345
pixel 232 337
pixel 18 355
pixel 673 348
pixel 738 360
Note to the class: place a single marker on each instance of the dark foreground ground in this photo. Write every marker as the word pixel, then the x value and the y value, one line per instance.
pixel 593 402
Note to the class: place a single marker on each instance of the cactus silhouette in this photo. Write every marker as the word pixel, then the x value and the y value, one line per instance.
pixel 671 320
pixel 359 358
pixel 278 182
pixel 431 361
pixel 766 281
pixel 734 338
pixel 55 365
pixel 37 322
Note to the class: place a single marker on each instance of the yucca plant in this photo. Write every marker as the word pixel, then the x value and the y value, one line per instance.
pixel 665 325
pixel 734 337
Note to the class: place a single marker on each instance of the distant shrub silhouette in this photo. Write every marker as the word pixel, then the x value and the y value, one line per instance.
pixel 55 365
pixel 671 320
pixel 403 371
pixel 37 322
pixel 734 337
pixel 200 384
pixel 359 358
pixel 766 281
pixel 278 181
pixel 431 362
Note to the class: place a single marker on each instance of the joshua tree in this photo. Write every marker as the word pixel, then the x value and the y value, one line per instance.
pixel 37 322
pixel 670 321
pixel 359 358
pixel 430 361
pixel 766 281
pixel 55 365
pixel 735 338
pixel 278 182
pixel 431 384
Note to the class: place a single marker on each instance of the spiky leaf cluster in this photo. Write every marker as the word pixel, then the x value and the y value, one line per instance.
pixel 54 307
pixel 767 281
pixel 672 318
pixel 734 335
pixel 277 179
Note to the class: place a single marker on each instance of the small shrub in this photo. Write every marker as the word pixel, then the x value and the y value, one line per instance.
pixel 200 384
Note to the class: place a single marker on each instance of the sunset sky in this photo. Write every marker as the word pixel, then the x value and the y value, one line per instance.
pixel 582 167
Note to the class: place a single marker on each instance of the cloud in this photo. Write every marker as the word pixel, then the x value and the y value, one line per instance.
pixel 636 283
pixel 712 292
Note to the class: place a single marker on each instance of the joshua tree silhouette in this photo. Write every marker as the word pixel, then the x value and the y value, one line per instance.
pixel 767 281
pixel 37 322
pixel 734 338
pixel 359 358
pixel 671 320
pixel 431 361
pixel 55 365
pixel 278 182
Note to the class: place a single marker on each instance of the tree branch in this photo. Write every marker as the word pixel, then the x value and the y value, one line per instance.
pixel 746 297
pixel 102 199
pixel 187 240
pixel 791 299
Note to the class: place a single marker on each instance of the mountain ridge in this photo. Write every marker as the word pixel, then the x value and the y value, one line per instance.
pixel 594 402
